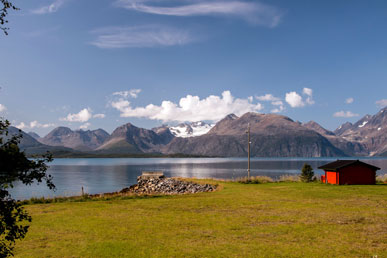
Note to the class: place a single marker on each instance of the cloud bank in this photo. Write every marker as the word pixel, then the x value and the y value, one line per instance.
pixel 33 124
pixel 82 116
pixel 349 100
pixel 345 114
pixel 99 116
pixel 252 12
pixel 128 93
pixel 190 108
pixel 277 102
pixel 267 97
pixel 147 36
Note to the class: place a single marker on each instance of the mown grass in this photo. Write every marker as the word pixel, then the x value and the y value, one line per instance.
pixel 240 220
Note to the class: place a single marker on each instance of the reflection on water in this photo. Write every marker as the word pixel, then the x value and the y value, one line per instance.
pixel 109 175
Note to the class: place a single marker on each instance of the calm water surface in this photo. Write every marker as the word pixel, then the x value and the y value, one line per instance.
pixel 109 175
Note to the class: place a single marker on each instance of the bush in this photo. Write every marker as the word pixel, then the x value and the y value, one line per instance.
pixel 381 178
pixel 255 180
pixel 289 178
pixel 307 173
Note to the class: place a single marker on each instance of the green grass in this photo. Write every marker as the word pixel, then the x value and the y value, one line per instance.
pixel 239 220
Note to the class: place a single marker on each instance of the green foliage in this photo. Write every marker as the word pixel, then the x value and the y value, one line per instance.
pixel 16 167
pixel 307 173
pixel 381 179
pixel 4 12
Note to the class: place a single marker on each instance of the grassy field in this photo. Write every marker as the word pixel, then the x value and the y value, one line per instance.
pixel 240 220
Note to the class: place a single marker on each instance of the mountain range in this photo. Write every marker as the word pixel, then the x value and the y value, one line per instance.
pixel 77 140
pixel 272 135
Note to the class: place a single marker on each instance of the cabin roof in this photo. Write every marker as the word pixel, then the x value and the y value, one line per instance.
pixel 338 164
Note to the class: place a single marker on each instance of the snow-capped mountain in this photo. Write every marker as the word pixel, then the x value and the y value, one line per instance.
pixel 369 130
pixel 185 130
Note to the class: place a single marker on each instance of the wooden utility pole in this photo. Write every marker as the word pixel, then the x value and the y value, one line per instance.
pixel 248 151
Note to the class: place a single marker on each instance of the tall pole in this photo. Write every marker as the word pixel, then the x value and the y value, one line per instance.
pixel 248 151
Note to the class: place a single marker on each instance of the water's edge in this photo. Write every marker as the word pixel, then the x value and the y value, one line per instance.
pixel 98 175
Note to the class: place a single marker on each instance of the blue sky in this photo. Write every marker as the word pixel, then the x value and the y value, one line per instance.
pixel 99 64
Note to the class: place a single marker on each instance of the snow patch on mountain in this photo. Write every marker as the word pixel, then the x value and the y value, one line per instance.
pixel 363 124
pixel 190 129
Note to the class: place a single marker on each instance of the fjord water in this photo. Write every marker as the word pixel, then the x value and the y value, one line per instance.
pixel 97 175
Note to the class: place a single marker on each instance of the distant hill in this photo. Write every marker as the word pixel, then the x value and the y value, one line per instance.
pixel 78 140
pixel 32 147
pixel 34 135
pixel 164 133
pixel 312 125
pixel 131 139
pixel 348 147
pixel 26 141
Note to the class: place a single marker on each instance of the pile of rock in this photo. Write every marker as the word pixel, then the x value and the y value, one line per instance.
pixel 166 186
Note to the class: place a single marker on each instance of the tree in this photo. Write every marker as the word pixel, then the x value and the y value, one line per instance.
pixel 4 12
pixel 307 173
pixel 15 166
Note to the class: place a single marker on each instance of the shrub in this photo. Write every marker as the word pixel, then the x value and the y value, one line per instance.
pixel 255 180
pixel 289 178
pixel 381 178
pixel 307 173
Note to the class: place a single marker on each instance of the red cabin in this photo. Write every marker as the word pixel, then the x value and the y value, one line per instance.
pixel 349 172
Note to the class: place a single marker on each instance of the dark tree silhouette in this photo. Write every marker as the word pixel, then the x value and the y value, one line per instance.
pixel 16 167
pixel 307 173
pixel 6 5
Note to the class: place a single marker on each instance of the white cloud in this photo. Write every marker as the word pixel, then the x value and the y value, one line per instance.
pixel 83 116
pixel 2 108
pixel 190 108
pixel 128 93
pixel 274 101
pixel 99 116
pixel 381 103
pixel 294 100
pixel 21 126
pixel 85 126
pixel 267 97
pixel 33 124
pixel 309 93
pixel 146 36
pixel 345 114
pixel 349 100
pixel 280 106
pixel 277 103
pixel 51 8
pixel 36 124
pixel 120 104
pixel 254 13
